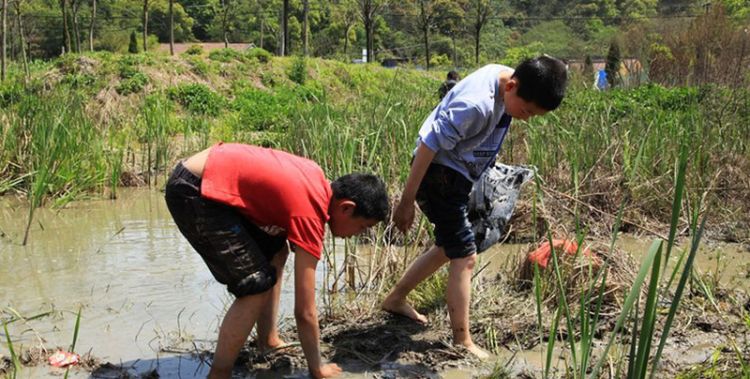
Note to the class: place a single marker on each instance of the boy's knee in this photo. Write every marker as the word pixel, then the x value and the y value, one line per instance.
pixel 255 283
pixel 467 262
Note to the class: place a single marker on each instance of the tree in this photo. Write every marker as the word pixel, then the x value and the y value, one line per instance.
pixel 66 32
pixel 91 25
pixel 451 22
pixel 482 12
pixel 426 15
pixel 171 27
pixel 133 45
pixel 612 66
pixel 145 25
pixel 285 28
pixel 368 10
pixel 5 40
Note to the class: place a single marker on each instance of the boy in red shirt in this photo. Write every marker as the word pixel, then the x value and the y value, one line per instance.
pixel 238 205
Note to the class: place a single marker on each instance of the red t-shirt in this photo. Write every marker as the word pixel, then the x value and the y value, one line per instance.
pixel 280 192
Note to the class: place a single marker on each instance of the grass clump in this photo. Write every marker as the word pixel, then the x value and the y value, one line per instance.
pixel 197 99
pixel 225 55
pixel 259 54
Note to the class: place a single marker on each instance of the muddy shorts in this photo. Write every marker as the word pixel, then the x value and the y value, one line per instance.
pixel 443 197
pixel 236 251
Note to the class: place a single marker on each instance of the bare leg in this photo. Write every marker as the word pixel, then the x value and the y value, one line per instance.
pixel 458 296
pixel 268 331
pixel 236 326
pixel 424 266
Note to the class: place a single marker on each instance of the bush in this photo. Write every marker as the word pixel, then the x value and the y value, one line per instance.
pixel 10 93
pixel 263 110
pixel 225 55
pixel 133 45
pixel 262 55
pixel 194 50
pixel 198 99
pixel 132 84
pixel 298 71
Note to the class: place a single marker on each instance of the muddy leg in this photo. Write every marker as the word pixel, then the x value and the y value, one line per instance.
pixel 268 331
pixel 458 297
pixel 233 333
pixel 424 266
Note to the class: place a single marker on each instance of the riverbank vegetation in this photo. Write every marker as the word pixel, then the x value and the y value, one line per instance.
pixel 665 156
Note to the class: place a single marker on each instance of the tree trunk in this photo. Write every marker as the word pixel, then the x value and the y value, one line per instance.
pixel 426 34
pixel 74 6
pixel 262 30
pixel 91 25
pixel 4 40
pixel 477 33
pixel 171 27
pixel 19 25
pixel 285 27
pixel 66 32
pixel 455 54
pixel 224 22
pixel 305 10
pixel 145 25
pixel 346 38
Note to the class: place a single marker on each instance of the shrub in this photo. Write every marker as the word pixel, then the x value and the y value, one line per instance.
pixel 262 55
pixel 194 50
pixel 133 45
pixel 197 98
pixel 10 93
pixel 132 84
pixel 263 110
pixel 298 71
pixel 225 55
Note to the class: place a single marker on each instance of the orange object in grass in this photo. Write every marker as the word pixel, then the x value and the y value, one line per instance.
pixel 63 359
pixel 542 255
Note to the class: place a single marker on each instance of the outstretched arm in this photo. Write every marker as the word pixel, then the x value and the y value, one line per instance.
pixel 403 216
pixel 307 315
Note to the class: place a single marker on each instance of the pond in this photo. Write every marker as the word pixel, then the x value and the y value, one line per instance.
pixel 142 291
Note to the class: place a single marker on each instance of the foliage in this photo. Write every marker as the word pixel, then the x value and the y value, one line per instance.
pixel 225 55
pixel 197 98
pixel 133 45
pixel 612 66
pixel 298 71
pixel 194 50
pixel 259 54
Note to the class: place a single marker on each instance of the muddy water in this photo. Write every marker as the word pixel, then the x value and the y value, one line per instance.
pixel 142 290
pixel 728 262
pixel 138 283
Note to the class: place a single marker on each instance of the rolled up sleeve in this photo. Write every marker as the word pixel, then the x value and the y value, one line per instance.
pixel 452 124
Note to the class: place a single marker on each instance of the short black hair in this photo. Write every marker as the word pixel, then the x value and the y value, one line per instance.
pixel 452 75
pixel 542 81
pixel 365 190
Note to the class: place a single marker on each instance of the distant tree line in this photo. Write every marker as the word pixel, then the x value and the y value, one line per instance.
pixel 455 33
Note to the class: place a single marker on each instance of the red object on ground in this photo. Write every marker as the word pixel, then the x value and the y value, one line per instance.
pixel 542 255
pixel 63 359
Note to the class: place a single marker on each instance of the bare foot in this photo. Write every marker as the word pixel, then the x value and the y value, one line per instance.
pixel 402 308
pixel 273 346
pixel 477 351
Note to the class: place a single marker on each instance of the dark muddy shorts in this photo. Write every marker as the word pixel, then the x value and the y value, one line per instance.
pixel 236 251
pixel 443 197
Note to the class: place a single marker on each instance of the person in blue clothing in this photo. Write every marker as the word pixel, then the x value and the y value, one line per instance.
pixel 456 143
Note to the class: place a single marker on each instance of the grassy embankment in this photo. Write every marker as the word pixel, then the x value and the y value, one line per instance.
pixel 87 124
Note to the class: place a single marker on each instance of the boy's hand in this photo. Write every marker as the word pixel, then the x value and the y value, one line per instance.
pixel 403 215
pixel 326 371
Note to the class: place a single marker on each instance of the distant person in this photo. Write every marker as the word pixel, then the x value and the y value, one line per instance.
pixel 449 83
pixel 457 142
pixel 601 80
pixel 238 206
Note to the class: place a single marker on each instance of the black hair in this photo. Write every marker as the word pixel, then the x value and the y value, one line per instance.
pixel 452 75
pixel 542 81
pixel 365 190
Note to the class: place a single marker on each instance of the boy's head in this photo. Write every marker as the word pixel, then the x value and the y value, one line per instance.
pixel 359 202
pixel 452 75
pixel 536 87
